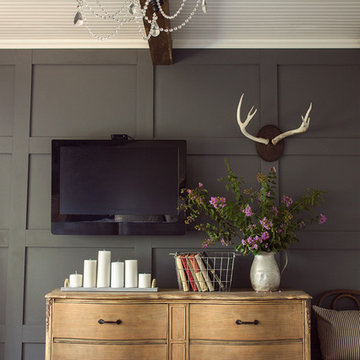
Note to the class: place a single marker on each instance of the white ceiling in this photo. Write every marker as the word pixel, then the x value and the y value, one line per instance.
pixel 228 24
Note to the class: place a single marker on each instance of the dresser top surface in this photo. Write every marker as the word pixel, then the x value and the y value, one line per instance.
pixel 173 294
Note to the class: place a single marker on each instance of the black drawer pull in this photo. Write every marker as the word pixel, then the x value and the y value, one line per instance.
pixel 101 321
pixel 239 322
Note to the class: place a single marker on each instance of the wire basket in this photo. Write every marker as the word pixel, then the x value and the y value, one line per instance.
pixel 210 271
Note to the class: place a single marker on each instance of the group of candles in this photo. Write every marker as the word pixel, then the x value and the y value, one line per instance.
pixel 103 273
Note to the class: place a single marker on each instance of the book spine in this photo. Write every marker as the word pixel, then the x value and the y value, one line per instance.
pixel 198 273
pixel 188 273
pixel 204 272
pixel 190 267
pixel 181 273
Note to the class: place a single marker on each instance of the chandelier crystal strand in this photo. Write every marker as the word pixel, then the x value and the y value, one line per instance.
pixel 124 8
pixel 97 36
pixel 102 36
pixel 107 16
pixel 154 30
pixel 141 29
pixel 170 17
pixel 185 21
pixel 130 11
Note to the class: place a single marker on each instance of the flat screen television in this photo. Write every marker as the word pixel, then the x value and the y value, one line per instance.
pixel 117 187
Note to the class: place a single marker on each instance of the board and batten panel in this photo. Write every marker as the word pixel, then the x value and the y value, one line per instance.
pixel 5 190
pixel 334 92
pixel 33 352
pixel 3 287
pixel 338 176
pixel 91 101
pixel 47 268
pixel 7 88
pixel 201 100
pixel 319 270
pixel 39 196
pixel 209 169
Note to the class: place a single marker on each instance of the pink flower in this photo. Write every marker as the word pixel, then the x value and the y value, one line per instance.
pixel 247 211
pixel 201 184
pixel 189 191
pixel 322 219
pixel 302 224
pixel 275 210
pixel 218 202
pixel 267 224
pixel 224 242
pixel 287 200
pixel 265 235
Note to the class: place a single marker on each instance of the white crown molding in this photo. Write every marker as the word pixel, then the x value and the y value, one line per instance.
pixel 268 44
pixel 183 44
pixel 74 44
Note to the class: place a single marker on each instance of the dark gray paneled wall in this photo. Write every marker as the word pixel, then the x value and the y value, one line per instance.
pixel 94 93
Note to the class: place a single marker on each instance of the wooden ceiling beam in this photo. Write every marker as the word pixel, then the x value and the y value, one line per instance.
pixel 160 46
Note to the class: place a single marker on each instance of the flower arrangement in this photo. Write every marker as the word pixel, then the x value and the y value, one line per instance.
pixel 248 219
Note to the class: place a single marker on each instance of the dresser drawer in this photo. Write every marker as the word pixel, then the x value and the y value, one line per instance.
pixel 109 352
pixel 79 320
pixel 275 321
pixel 293 351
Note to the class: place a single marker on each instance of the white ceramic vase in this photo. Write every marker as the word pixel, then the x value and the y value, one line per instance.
pixel 264 272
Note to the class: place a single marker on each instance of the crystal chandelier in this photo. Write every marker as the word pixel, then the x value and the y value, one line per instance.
pixel 131 11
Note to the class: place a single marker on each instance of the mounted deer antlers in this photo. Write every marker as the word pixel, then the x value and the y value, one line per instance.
pixel 302 128
pixel 270 150
pixel 244 124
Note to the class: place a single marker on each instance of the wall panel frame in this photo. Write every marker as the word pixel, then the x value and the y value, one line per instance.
pixel 24 340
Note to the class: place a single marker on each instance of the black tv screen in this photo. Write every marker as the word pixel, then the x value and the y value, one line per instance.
pixel 112 187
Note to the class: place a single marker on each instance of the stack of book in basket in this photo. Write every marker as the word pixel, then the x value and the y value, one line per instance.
pixel 204 272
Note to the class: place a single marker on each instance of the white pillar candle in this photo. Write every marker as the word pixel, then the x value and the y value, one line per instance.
pixel 103 274
pixel 117 274
pixel 131 273
pixel 90 273
pixel 144 281
pixel 75 280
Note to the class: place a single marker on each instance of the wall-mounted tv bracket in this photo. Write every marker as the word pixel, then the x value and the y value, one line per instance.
pixel 120 137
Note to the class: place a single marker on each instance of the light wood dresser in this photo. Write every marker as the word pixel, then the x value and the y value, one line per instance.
pixel 178 325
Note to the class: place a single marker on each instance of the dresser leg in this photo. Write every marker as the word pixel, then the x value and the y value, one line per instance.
pixel 307 330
